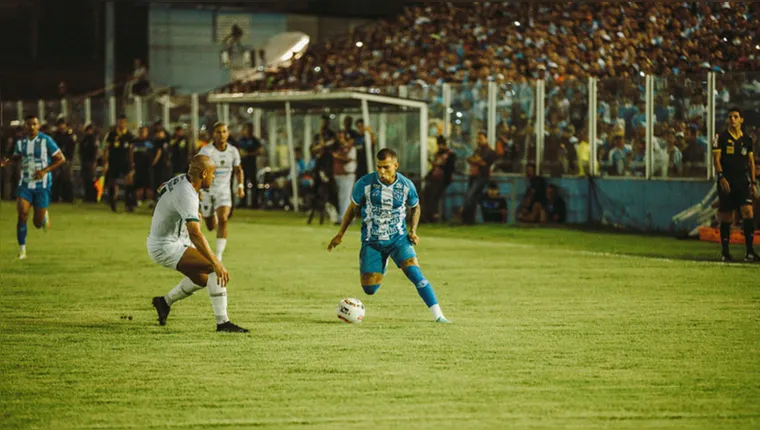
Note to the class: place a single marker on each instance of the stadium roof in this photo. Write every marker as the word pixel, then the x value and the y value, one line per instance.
pixel 310 101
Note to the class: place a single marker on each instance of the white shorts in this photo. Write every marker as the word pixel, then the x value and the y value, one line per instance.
pixel 213 200
pixel 168 254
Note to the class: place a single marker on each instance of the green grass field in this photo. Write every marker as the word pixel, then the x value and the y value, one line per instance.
pixel 559 329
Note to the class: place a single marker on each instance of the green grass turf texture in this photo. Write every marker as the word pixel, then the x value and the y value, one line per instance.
pixel 560 329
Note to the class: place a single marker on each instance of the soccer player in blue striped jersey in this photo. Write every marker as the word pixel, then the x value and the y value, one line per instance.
pixel 39 156
pixel 383 198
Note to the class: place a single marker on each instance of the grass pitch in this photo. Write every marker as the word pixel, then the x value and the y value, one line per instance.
pixel 558 329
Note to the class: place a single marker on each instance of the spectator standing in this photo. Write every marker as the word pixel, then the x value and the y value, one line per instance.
pixel 88 158
pixel 480 172
pixel 438 180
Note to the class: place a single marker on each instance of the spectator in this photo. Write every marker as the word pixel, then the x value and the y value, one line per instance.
pixel 344 170
pixel 554 211
pixel 362 148
pixel 493 207
pixel 438 180
pixel 480 172
pixel 63 187
pixel 140 81
pixel 88 157
pixel 250 149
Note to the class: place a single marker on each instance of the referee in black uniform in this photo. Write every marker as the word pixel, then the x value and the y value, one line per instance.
pixel 735 169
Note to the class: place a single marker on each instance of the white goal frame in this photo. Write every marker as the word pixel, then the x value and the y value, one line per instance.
pixel 307 102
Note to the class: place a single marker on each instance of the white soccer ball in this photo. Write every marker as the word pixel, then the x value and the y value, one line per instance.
pixel 351 311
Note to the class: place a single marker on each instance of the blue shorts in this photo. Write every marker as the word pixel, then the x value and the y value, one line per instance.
pixel 39 198
pixel 373 257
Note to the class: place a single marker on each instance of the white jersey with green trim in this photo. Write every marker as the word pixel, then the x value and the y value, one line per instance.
pixel 177 204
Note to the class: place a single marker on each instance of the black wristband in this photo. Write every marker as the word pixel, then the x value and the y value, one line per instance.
pixel 720 175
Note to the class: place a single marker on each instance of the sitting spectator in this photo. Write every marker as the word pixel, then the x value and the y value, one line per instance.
pixel 554 210
pixel 493 207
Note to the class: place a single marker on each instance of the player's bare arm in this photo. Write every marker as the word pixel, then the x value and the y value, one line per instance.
pixel 157 158
pixel 718 168
pixel 751 165
pixel 240 179
pixel 58 160
pixel 201 244
pixel 414 221
pixel 347 218
pixel 11 159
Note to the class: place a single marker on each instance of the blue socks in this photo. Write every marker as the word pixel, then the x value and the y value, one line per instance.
pixel 370 289
pixel 424 289
pixel 21 234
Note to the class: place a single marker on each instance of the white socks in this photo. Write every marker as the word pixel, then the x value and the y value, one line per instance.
pixel 220 245
pixel 22 249
pixel 218 296
pixel 184 289
pixel 437 312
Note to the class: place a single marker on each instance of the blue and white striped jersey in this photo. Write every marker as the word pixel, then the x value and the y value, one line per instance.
pixel 383 207
pixel 36 154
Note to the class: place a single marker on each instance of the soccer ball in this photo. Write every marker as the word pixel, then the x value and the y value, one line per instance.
pixel 351 311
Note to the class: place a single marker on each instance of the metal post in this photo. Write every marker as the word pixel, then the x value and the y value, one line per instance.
pixel 540 123
pixel 257 123
pixel 226 113
pixel 446 110
pixel 167 112
pixel 291 155
pixel 650 125
pixel 368 138
pixel 87 111
pixel 110 57
pixel 307 138
pixel 382 138
pixel 492 114
pixel 423 144
pixel 41 111
pixel 403 91
pixel 592 124
pixel 65 109
pixel 194 120
pixel 272 140
pixel 138 112
pixel 112 111
pixel 20 111
pixel 710 123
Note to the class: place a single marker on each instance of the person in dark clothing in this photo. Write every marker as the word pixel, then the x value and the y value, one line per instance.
pixel 438 180
pixel 493 207
pixel 88 156
pixel 162 167
pixel 120 163
pixel 362 147
pixel 554 210
pixel 250 148
pixel 63 187
pixel 146 155
pixel 480 172
pixel 180 151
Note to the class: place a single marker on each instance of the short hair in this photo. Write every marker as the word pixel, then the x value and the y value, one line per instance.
pixel 483 132
pixel 178 128
pixel 28 117
pixel 60 121
pixel 492 185
pixel 219 124
pixel 359 121
pixel 387 153
pixel 737 110
pixel 122 116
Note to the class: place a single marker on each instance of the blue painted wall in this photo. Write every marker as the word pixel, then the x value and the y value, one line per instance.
pixel 183 52
pixel 629 204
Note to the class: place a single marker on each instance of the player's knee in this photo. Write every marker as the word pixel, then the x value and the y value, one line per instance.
pixel 370 290
pixel 409 263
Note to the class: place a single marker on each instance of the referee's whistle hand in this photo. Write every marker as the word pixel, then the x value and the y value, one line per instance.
pixel 724 185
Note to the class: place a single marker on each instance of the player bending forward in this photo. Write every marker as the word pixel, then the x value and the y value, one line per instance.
pixel 39 156
pixel 175 241
pixel 217 202
pixel 383 198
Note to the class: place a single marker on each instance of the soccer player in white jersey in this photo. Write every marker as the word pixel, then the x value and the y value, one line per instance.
pixel 216 203
pixel 383 198
pixel 39 156
pixel 176 241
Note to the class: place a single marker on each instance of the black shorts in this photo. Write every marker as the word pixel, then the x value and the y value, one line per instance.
pixel 116 175
pixel 142 180
pixel 736 198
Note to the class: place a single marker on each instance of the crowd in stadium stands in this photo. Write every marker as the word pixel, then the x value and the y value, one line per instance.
pixel 512 42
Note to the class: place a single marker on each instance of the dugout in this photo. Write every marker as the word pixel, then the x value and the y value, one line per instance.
pixel 299 109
